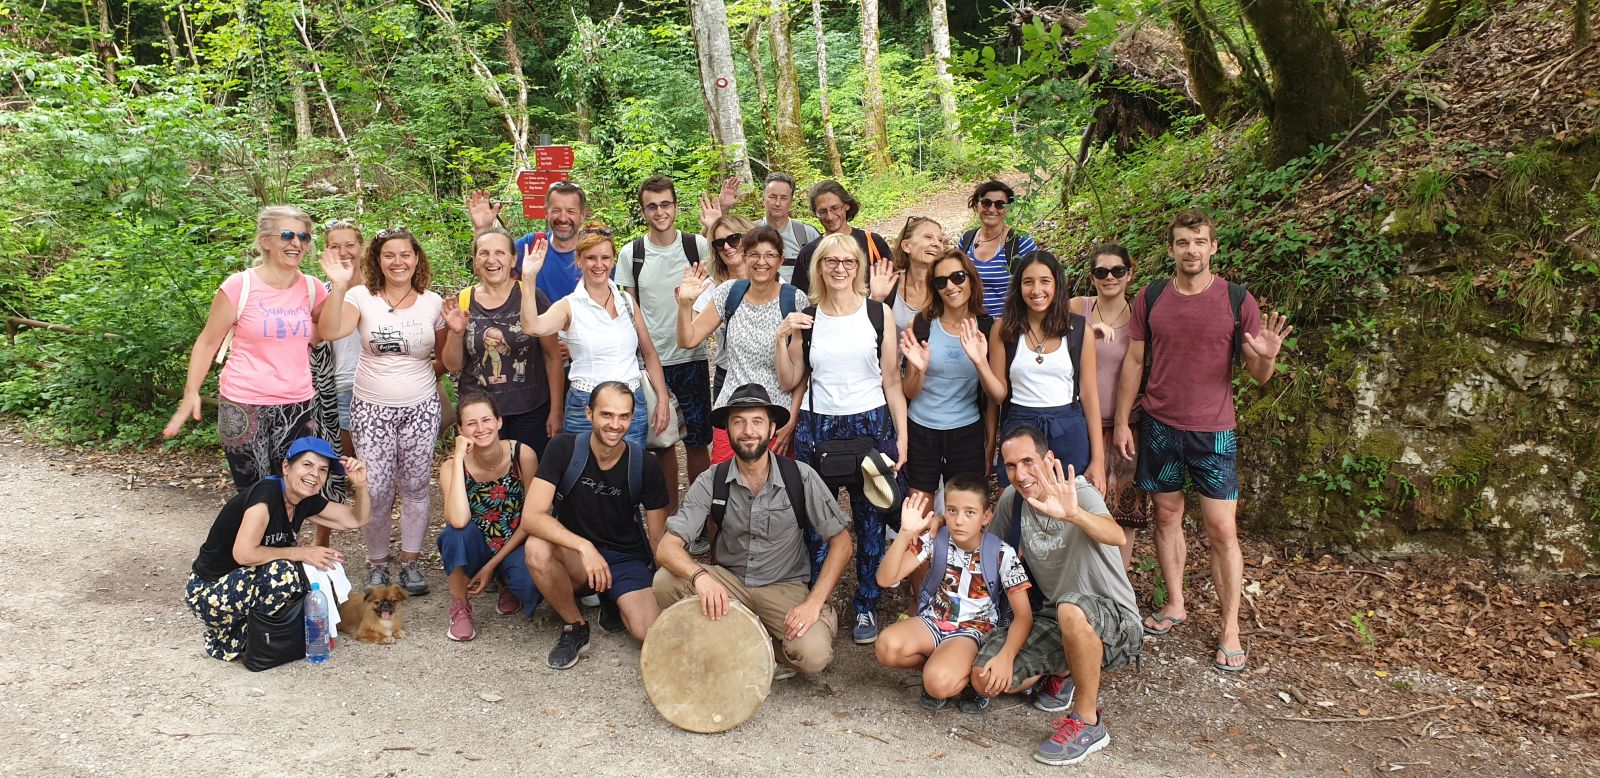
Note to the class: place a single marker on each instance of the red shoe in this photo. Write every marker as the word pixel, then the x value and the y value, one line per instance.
pixel 508 603
pixel 461 622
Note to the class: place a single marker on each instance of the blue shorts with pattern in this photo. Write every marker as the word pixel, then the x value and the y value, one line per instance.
pixel 690 382
pixel 869 520
pixel 1167 456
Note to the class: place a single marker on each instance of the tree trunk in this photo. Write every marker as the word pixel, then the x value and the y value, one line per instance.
pixel 876 124
pixel 105 46
pixel 1580 24
pixel 1434 24
pixel 188 36
pixel 834 163
pixel 514 118
pixel 301 22
pixel 173 57
pixel 507 15
pixel 717 84
pixel 302 110
pixel 1209 84
pixel 752 52
pixel 1314 94
pixel 790 151
pixel 939 24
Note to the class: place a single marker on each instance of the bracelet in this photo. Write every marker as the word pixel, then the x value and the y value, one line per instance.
pixel 696 576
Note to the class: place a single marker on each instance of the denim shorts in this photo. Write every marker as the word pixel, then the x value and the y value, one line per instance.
pixel 576 421
pixel 344 408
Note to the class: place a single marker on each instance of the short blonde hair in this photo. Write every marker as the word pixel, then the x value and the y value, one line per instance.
pixel 836 244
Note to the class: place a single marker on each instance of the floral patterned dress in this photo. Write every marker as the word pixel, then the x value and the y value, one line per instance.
pixel 496 505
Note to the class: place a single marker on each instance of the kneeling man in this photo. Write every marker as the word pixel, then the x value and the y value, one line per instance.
pixel 760 503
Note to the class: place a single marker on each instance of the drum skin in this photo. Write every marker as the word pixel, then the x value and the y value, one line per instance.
pixel 703 675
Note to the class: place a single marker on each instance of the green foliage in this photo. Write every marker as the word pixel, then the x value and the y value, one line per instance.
pixel 1360 622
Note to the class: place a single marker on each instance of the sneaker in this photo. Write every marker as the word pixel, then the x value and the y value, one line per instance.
pixel 573 642
pixel 589 600
pixel 700 545
pixel 508 603
pixel 866 629
pixel 378 575
pixel 412 580
pixel 461 622
pixel 974 703
pixel 1054 693
pixel 930 702
pixel 1073 741
pixel 783 672
pixel 610 615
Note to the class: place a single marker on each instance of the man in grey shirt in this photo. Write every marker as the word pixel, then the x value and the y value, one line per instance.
pixel 1089 619
pixel 777 201
pixel 759 557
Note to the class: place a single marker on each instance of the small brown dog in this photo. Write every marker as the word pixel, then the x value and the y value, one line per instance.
pixel 375 617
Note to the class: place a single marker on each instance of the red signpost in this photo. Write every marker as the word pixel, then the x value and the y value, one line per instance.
pixel 554 166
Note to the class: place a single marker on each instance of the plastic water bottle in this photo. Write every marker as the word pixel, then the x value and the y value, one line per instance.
pixel 316 626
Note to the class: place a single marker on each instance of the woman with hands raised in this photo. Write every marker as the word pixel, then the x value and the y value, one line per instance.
pixel 605 334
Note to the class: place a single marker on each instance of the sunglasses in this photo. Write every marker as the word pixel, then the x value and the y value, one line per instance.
pixel 339 224
pixel 604 232
pixel 727 241
pixel 998 205
pixel 393 232
pixel 847 263
pixel 958 278
pixel 1103 273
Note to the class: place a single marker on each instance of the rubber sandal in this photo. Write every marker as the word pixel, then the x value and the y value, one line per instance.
pixel 1170 621
pixel 1226 655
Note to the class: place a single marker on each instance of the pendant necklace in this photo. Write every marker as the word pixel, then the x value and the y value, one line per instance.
pixel 1038 349
pixel 403 300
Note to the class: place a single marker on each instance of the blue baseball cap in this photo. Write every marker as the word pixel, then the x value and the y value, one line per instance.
pixel 317 446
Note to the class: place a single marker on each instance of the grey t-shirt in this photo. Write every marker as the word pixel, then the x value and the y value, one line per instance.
pixel 1062 559
pixel 795 234
pixel 760 540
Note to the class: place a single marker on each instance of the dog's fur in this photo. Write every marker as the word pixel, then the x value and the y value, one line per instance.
pixel 375 617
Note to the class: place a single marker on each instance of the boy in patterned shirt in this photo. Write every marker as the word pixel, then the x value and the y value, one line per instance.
pixel 959 605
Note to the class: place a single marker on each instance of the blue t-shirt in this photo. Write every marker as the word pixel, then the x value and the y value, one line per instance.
pixel 948 399
pixel 995 274
pixel 559 275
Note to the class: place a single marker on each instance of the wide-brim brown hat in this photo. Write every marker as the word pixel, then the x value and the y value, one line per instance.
pixel 750 396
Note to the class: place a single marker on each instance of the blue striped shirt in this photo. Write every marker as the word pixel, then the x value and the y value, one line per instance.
pixel 994 274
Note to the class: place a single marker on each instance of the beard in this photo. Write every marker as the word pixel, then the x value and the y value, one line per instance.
pixel 749 453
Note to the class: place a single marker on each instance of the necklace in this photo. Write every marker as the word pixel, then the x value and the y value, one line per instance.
pixel 403 300
pixel 1127 310
pixel 1038 347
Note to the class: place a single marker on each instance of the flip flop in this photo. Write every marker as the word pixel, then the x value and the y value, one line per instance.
pixel 1170 621
pixel 1227 655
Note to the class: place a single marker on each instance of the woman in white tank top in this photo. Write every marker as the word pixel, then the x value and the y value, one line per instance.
pixel 1049 382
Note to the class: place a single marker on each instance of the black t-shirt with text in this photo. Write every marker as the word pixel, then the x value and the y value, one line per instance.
pixel 599 508
pixel 216 554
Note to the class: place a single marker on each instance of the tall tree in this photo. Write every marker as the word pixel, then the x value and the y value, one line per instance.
pixel 873 115
pixel 790 151
pixel 834 164
pixel 514 117
pixel 717 84
pixel 1208 81
pixel 1314 95
pixel 752 52
pixel 939 26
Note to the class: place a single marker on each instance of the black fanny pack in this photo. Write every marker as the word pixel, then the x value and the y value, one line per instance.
pixel 839 461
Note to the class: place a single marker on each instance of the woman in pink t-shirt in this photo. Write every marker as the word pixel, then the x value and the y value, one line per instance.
pixel 265 387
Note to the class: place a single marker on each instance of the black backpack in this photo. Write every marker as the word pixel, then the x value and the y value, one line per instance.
pixel 1012 237
pixel 1236 293
pixel 691 252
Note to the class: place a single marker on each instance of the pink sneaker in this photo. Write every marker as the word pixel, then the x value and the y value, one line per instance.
pixel 508 603
pixel 461 621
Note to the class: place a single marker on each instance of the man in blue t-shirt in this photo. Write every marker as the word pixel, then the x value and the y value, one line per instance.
pixel 565 209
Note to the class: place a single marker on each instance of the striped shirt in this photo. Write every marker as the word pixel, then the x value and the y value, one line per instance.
pixel 995 275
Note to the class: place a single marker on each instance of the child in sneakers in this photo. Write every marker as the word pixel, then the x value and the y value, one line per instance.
pixel 960 603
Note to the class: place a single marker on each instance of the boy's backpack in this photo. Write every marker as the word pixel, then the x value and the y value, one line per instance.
pixel 788 299
pixel 793 486
pixel 922 329
pixel 1012 237
pixel 1236 293
pixel 988 559
pixel 691 252
pixel 1074 350
pixel 1007 523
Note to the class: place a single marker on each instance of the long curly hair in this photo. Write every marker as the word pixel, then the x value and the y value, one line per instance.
pixel 1057 318
pixel 935 307
pixel 372 266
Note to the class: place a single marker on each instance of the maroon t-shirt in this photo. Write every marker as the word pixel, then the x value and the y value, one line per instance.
pixel 1190 385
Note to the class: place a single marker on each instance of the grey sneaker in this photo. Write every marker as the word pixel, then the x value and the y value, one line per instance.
pixel 589 601
pixel 573 642
pixel 1054 693
pixel 783 672
pixel 700 545
pixel 378 575
pixel 974 703
pixel 412 580
pixel 1073 741
pixel 866 629
pixel 930 702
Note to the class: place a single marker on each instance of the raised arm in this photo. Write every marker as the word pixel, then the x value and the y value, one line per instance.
pixel 899 560
pixel 346 517
pixel 340 317
pixel 454 353
pixel 694 328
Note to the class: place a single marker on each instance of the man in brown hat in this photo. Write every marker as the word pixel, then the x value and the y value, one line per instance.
pixel 760 504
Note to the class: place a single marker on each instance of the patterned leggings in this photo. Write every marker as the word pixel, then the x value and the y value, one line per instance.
pixel 397 446
pixel 255 437
pixel 223 604
pixel 868 520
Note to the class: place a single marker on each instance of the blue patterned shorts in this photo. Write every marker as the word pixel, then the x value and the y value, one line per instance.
pixel 690 382
pixel 1167 456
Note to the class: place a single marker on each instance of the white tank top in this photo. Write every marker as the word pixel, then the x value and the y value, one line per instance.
pixel 602 348
pixel 1046 385
pixel 846 374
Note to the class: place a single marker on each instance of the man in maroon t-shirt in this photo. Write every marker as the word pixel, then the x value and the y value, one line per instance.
pixel 1187 428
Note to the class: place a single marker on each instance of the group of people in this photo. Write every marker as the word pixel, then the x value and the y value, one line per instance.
pixel 839 359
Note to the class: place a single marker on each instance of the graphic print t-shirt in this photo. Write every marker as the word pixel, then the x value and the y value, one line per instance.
pixel 964 599
pixel 502 360
pixel 599 508
pixel 396 367
pixel 270 360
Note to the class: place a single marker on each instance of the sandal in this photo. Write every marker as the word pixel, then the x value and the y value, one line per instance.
pixel 1158 630
pixel 1228 655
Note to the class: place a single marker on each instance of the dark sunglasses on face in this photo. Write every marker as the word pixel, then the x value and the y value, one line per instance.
pixel 288 235
pixel 1103 273
pixel 727 241
pixel 998 205
pixel 958 278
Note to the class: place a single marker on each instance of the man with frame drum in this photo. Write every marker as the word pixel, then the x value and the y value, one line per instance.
pixel 759 504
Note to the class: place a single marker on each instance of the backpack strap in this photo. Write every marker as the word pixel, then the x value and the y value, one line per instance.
pixel 805 337
pixel 464 299
pixel 795 485
pixel 967 239
pixel 311 297
pixel 798 234
pixel 736 294
pixel 1012 239
pixel 691 249
pixel 635 471
pixel 238 313
pixel 938 562
pixel 1236 294
pixel 1075 352
pixel 788 299
pixel 989 559
pixel 1151 294
pixel 580 458
pixel 875 314
pixel 921 329
pixel 873 255
pixel 719 491
pixel 637 247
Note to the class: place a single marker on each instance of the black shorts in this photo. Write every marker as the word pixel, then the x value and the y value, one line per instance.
pixel 690 382
pixel 932 453
pixel 1167 455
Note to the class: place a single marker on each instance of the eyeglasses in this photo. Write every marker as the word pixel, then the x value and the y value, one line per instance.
pixel 830 210
pixel 998 205
pixel 393 232
pixel 836 263
pixel 727 241
pixel 764 256
pixel 1102 273
pixel 958 278
pixel 664 205
pixel 289 235
pixel 604 232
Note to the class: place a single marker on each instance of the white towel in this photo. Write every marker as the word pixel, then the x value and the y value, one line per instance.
pixel 331 580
